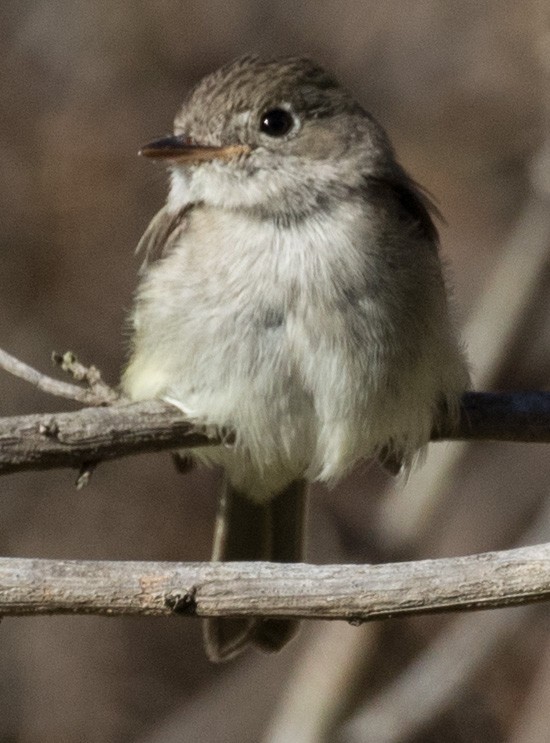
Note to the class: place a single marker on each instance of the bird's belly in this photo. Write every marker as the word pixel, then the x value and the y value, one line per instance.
pixel 236 374
pixel 299 399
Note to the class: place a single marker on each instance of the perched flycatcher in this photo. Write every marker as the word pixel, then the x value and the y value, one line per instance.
pixel 292 293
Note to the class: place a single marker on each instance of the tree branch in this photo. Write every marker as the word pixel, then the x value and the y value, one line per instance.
pixel 355 593
pixel 83 438
pixel 501 416
pixel 95 434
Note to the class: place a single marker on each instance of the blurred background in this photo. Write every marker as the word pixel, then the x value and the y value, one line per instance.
pixel 463 90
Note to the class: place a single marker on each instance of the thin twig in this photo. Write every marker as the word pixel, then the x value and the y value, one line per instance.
pixel 86 437
pixel 88 374
pixel 92 396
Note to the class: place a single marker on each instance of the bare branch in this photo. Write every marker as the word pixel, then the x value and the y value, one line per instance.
pixel 83 438
pixel 92 435
pixel 355 593
pixel 501 416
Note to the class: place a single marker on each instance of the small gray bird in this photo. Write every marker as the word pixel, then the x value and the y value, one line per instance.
pixel 292 292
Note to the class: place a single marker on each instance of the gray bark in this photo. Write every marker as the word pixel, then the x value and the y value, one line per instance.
pixel 95 434
pixel 352 592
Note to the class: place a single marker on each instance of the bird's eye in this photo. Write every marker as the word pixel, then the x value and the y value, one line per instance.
pixel 276 122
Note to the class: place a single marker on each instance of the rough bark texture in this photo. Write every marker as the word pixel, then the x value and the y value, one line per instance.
pixel 101 433
pixel 353 592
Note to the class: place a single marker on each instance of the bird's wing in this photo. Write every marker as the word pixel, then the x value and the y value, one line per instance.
pixel 399 194
pixel 412 204
pixel 162 234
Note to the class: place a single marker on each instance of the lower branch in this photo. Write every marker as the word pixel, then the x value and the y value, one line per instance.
pixel 355 593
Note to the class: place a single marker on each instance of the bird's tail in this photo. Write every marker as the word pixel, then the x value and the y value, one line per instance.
pixel 244 531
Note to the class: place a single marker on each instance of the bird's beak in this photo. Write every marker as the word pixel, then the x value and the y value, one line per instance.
pixel 180 148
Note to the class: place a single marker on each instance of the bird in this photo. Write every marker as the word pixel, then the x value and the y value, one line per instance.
pixel 292 292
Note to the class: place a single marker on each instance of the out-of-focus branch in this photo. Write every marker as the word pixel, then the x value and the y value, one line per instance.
pixel 435 677
pixel 496 332
pixel 439 672
pixel 501 416
pixel 531 723
pixel 323 684
pixel 355 593
pixel 96 434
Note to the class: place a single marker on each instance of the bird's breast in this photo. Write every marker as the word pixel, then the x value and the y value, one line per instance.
pixel 238 307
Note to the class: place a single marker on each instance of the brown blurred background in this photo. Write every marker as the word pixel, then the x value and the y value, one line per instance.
pixel 463 90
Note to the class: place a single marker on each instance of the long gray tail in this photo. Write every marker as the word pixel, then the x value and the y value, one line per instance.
pixel 245 531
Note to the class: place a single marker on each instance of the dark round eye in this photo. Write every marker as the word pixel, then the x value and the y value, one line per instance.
pixel 276 122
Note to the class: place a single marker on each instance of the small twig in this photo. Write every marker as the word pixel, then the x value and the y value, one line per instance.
pixel 88 374
pixel 85 474
pixel 356 593
pixel 92 396
pixel 94 434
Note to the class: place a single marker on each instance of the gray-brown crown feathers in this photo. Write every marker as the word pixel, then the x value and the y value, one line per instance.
pixel 250 85
pixel 296 79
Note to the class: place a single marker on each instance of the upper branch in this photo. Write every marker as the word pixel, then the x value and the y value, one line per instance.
pixel 501 416
pixel 95 434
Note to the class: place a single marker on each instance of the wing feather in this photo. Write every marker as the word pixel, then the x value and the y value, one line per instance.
pixel 412 204
pixel 162 234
